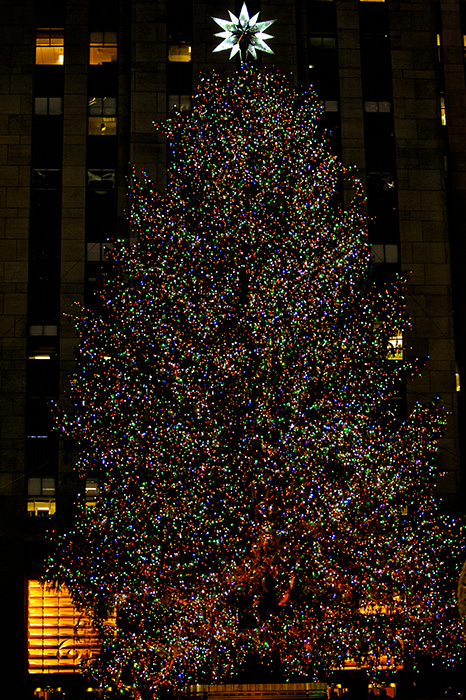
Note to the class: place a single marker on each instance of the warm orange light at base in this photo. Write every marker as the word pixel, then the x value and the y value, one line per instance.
pixel 60 637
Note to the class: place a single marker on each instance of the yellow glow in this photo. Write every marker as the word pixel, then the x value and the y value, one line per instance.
pixel 443 111
pixel 41 507
pixel 102 54
pixel 59 637
pixel 49 47
pixel 395 347
pixel 179 53
pixel 102 126
pixel 49 55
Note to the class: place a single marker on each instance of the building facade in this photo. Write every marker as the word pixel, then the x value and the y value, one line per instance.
pixel 81 84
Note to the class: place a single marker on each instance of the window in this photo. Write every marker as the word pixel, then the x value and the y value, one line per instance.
pixel 179 52
pixel 60 637
pixel 40 330
pixel 179 103
pixel 103 48
pixel 100 181
pixel 41 497
pixel 92 492
pixel 46 178
pixel 49 47
pixel 382 253
pixel 322 43
pixel 323 61
pixel 443 110
pixel 330 105
pixel 373 106
pixel 97 252
pixel 395 347
pixel 52 106
pixel 102 116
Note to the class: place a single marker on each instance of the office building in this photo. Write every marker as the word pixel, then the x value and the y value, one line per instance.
pixel 80 85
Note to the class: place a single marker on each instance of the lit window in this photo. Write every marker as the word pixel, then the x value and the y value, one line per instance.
pixel 60 637
pixel 52 106
pixel 103 48
pixel 49 47
pixel 373 106
pixel 371 0
pixel 41 496
pixel 180 52
pixel 92 492
pixel 384 253
pixel 443 111
pixel 102 116
pixel 439 46
pixel 395 347
pixel 179 103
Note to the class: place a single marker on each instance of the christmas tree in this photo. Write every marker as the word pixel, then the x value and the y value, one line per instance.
pixel 257 500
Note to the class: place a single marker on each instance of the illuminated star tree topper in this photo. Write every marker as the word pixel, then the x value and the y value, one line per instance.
pixel 243 34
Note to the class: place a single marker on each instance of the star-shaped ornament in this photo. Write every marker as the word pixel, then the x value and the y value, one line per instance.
pixel 243 34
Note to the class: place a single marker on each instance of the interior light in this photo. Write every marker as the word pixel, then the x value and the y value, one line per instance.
pixel 40 357
pixel 61 59
pixel 103 127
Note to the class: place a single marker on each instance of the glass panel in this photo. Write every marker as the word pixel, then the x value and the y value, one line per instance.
pixel 391 253
pixel 97 39
pixel 55 105
pixel 93 252
pixel 185 103
pixel 385 106
pixel 49 47
pixel 48 486
pixel 101 181
pixel 102 126
pixel 370 106
pixel 179 53
pixel 40 105
pixel 102 106
pixel 49 55
pixel 34 486
pixel 102 54
pixel 41 507
pixel 109 106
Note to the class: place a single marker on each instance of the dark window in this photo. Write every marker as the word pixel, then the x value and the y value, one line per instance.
pixel 51 106
pixel 323 65
pixel 47 142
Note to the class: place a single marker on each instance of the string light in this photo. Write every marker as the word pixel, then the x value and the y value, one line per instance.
pixel 257 499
